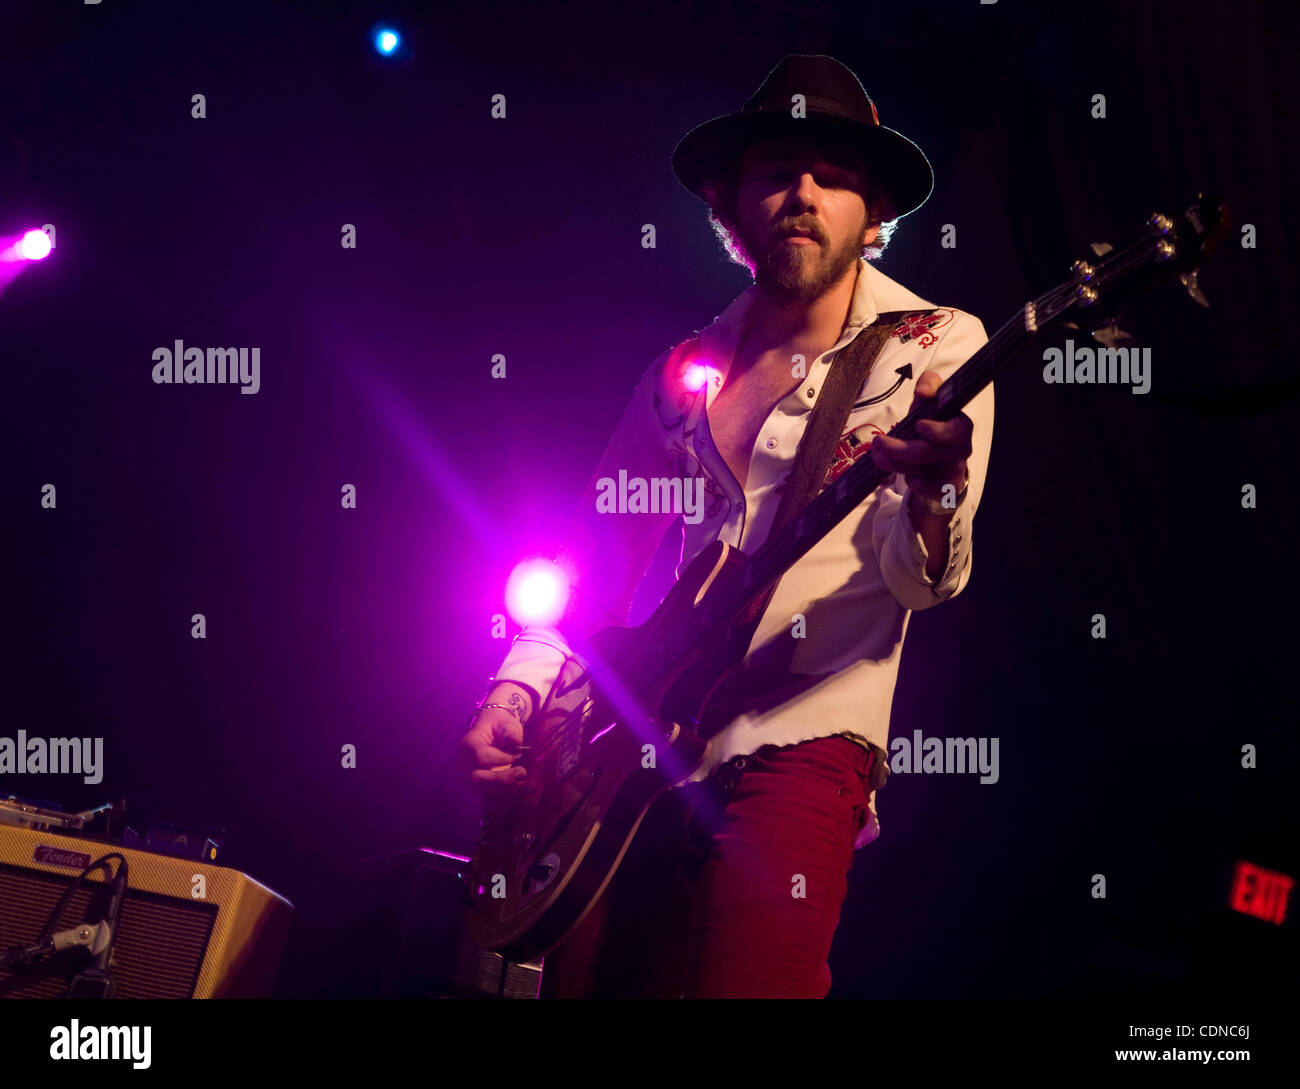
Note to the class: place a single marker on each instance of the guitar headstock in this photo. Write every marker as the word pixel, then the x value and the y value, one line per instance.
pixel 1195 233
pixel 1172 245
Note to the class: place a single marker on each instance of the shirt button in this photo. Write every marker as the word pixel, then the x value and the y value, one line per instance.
pixel 771 443
pixel 811 391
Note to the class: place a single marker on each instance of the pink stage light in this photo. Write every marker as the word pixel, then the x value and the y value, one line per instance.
pixel 698 376
pixel 34 246
pixel 537 593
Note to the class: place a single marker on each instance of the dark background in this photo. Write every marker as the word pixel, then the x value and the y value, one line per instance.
pixel 522 236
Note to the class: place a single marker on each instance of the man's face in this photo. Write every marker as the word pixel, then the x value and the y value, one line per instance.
pixel 789 185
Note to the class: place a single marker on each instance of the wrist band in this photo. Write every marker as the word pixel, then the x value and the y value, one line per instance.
pixel 483 707
pixel 492 682
pixel 936 506
pixel 534 700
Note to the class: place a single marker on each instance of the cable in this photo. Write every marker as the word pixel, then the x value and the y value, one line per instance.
pixel 99 863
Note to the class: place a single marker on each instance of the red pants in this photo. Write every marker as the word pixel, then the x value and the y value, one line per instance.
pixel 732 888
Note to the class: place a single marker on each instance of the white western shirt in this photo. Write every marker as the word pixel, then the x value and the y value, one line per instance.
pixel 856 588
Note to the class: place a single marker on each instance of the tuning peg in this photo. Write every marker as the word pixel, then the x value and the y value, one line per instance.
pixel 1112 336
pixel 1102 248
pixel 1188 280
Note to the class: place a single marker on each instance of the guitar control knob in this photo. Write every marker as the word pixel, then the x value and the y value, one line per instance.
pixel 541 873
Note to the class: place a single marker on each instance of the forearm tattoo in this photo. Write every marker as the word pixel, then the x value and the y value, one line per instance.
pixel 517 706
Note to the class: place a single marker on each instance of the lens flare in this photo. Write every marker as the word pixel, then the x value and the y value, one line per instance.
pixel 537 593
pixel 34 246
pixel 698 376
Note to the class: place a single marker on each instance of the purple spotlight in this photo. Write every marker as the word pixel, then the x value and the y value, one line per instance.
pixel 34 246
pixel 536 593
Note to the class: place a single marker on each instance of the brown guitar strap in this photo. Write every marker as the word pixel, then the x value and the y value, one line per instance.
pixel 848 372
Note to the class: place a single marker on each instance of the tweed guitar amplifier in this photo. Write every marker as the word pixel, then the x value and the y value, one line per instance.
pixel 171 943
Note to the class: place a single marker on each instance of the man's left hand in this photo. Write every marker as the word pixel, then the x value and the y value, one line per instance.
pixel 937 456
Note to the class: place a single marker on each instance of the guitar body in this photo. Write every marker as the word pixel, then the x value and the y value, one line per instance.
pixel 600 754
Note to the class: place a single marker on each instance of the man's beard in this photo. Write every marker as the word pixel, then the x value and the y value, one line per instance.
pixel 791 273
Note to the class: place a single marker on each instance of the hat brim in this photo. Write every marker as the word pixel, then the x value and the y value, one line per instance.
pixel 704 154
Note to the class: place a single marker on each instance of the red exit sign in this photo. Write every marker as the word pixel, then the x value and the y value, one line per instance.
pixel 1260 892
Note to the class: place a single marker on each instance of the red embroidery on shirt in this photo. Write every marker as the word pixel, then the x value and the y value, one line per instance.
pixel 851 447
pixel 921 327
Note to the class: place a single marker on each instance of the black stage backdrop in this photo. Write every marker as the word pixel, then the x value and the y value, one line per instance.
pixel 522 237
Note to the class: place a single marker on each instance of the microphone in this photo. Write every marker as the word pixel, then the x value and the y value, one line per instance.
pixel 96 981
pixel 92 937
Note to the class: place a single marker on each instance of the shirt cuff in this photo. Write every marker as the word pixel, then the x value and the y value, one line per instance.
pixel 535 660
pixel 908 550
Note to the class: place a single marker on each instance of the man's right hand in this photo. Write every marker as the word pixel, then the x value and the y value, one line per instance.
pixel 492 747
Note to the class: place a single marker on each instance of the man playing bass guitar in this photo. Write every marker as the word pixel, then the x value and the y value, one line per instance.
pixel 734 884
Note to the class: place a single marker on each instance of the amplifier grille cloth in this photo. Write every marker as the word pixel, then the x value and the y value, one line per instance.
pixel 157 954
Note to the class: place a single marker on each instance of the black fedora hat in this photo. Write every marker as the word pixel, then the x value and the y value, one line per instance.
pixel 836 108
